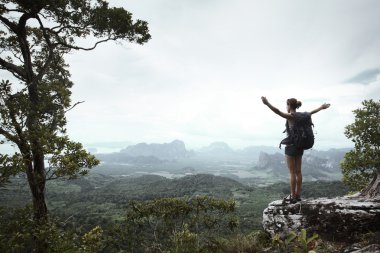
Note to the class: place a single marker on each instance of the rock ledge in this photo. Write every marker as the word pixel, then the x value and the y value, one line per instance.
pixel 335 219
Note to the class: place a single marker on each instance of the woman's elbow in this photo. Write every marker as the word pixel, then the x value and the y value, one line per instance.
pixel 277 111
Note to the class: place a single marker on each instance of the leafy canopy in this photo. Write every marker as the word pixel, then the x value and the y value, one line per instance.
pixel 360 165
pixel 34 37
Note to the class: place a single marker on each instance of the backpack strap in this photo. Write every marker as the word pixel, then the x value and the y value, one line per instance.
pixel 288 139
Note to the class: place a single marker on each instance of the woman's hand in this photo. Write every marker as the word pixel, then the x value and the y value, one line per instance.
pixel 265 100
pixel 325 106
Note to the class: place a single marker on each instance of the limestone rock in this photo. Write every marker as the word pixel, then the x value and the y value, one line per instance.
pixel 336 219
pixel 166 151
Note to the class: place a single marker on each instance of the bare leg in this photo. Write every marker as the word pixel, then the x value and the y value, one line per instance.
pixel 291 161
pixel 298 172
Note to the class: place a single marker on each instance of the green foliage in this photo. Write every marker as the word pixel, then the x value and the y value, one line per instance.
pixel 184 240
pixel 92 219
pixel 174 224
pixel 360 165
pixel 306 242
pixel 92 241
pixel 298 243
pixel 100 200
pixel 67 158
pixel 70 160
pixel 253 242
pixel 34 38
pixel 18 233
pixel 9 166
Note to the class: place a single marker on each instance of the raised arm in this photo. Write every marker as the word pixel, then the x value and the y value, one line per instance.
pixel 275 110
pixel 322 107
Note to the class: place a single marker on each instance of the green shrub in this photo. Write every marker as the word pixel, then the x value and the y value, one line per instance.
pixel 297 243
pixel 19 231
pixel 254 242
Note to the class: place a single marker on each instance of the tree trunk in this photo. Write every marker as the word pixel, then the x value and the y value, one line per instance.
pixel 35 172
pixel 39 204
pixel 37 180
pixel 373 188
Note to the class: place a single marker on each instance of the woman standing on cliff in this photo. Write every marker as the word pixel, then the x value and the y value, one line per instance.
pixel 293 154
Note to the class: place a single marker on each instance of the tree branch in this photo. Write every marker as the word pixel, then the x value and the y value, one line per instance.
pixel 11 10
pixel 72 107
pixel 14 69
pixel 24 45
pixel 16 55
pixel 61 28
pixel 49 175
pixel 50 46
pixel 9 136
pixel 87 48
pixel 9 24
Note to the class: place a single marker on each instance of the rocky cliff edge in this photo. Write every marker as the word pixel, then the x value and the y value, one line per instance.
pixel 335 219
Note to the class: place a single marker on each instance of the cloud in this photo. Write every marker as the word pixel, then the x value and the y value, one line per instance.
pixel 201 76
pixel 365 77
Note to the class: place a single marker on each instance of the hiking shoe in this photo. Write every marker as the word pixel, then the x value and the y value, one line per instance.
pixel 289 199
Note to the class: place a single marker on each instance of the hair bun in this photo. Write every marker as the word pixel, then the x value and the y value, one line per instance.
pixel 299 103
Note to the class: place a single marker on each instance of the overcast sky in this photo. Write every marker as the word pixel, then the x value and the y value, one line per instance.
pixel 200 78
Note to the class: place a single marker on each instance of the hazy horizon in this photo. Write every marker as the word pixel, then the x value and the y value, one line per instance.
pixel 122 145
pixel 110 147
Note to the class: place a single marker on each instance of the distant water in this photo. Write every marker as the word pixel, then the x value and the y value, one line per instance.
pixel 239 173
pixel 102 150
pixel 165 174
pixel 11 149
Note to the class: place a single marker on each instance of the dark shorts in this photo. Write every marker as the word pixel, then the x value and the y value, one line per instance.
pixel 291 150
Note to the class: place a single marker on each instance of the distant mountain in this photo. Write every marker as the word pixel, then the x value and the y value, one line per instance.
pixel 217 147
pixel 315 165
pixel 144 153
pixel 334 156
pixel 166 151
pixel 221 154
pixel 270 160
pixel 254 151
pixel 217 151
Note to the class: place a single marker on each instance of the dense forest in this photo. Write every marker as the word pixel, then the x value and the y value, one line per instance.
pixel 108 202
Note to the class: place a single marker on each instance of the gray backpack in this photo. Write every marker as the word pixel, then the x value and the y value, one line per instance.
pixel 301 134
